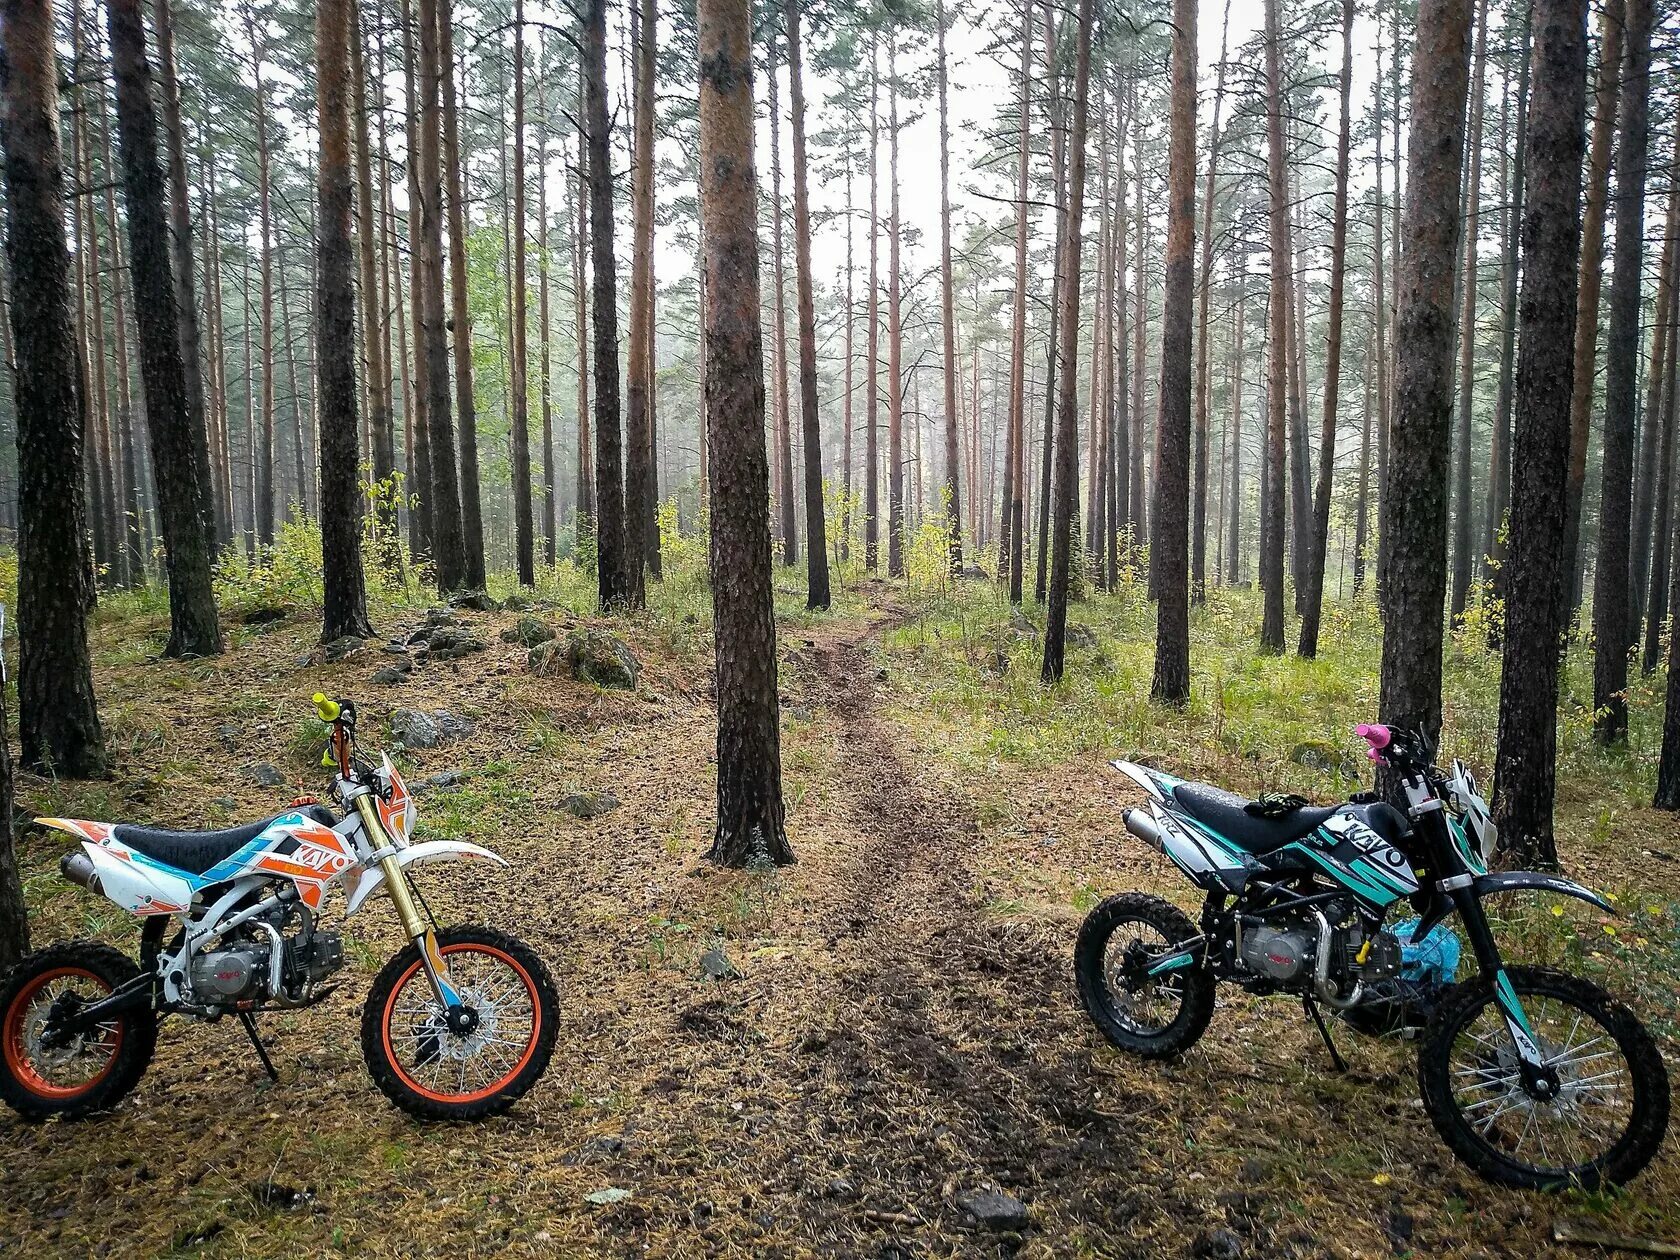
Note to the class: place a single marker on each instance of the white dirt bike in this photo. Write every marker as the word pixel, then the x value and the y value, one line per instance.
pixel 459 1025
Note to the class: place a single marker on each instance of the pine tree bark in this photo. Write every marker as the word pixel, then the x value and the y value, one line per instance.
pixel 459 330
pixel 188 545
pixel 585 522
pixel 344 594
pixel 1606 93
pixel 952 491
pixel 58 719
pixel 750 818
pixel 1307 644
pixel 1277 351
pixel 1013 535
pixel 612 559
pixel 1662 512
pixel 524 530
pixel 872 383
pixel 780 421
pixel 895 328
pixel 263 494
pixel 375 340
pixel 1464 508
pixel 1171 558
pixel 1499 456
pixel 1234 513
pixel 636 430
pixel 1525 766
pixel 1612 612
pixel 550 507
pixel 1415 562
pixel 1067 436
pixel 1198 527
pixel 181 254
pixel 1647 472
pixel 816 536
pixel 447 536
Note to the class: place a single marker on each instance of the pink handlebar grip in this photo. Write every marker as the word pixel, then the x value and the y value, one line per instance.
pixel 1376 736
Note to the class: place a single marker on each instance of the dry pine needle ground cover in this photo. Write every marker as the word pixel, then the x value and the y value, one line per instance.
pixel 903 1031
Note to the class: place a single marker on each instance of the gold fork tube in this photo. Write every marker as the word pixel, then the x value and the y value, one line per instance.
pixel 396 883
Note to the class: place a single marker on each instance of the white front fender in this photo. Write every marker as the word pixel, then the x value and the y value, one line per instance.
pixel 371 878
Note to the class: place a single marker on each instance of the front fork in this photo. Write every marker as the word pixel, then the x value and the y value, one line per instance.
pixel 417 927
pixel 1428 810
pixel 1522 1033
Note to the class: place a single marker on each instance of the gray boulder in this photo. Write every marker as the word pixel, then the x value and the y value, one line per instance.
pixel 262 774
pixel 992 1209
pixel 602 659
pixel 589 804
pixel 529 632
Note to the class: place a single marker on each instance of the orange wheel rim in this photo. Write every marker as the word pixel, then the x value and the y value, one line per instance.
pixel 417 1024
pixel 20 1019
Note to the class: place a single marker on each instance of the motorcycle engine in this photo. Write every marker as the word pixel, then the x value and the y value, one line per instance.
pixel 1279 953
pixel 227 975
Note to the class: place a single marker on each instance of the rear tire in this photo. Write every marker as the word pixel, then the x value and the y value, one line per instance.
pixel 96 1069
pixel 1120 1001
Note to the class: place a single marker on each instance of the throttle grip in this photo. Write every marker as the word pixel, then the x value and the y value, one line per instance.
pixel 1377 736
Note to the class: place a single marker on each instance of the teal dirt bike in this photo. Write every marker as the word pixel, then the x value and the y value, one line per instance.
pixel 1535 1078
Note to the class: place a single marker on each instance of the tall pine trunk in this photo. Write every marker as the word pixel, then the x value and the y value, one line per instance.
pixel 58 718
pixel 816 538
pixel 1612 612
pixel 1525 766
pixel 344 595
pixel 953 507
pixel 1307 645
pixel 1414 580
pixel 1171 560
pixel 460 320
pixel 189 544
pixel 1606 91
pixel 1464 509
pixel 638 449
pixel 1277 352
pixel 1067 435
pixel 612 559
pixel 750 817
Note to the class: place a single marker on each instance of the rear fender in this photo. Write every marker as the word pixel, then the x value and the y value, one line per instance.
pixel 1512 881
pixel 138 884
pixel 1151 781
pixel 370 879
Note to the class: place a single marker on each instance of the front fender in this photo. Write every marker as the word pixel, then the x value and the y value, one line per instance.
pixel 1510 881
pixel 370 879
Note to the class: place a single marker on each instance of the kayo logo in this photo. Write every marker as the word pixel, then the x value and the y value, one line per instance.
pixel 320 858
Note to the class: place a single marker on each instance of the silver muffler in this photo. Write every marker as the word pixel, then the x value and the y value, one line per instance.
pixel 1143 825
pixel 77 867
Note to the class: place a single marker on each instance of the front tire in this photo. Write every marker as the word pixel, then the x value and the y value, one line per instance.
pixel 1610 1108
pixel 436 1073
pixel 86 1073
pixel 1153 1017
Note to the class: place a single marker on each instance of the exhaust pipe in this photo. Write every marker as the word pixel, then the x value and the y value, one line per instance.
pixel 77 867
pixel 1142 825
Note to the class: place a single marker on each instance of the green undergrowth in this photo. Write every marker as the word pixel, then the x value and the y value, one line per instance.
pixel 967 668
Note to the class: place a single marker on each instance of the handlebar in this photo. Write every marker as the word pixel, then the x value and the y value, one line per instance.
pixel 1396 746
pixel 341 714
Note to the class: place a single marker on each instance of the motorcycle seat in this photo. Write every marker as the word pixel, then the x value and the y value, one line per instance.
pixel 197 851
pixel 1228 814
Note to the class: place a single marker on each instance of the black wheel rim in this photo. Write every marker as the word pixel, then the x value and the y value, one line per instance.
pixel 1140 1003
pixel 1590 1109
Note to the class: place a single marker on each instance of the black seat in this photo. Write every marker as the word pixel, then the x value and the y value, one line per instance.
pixel 197 851
pixel 1227 814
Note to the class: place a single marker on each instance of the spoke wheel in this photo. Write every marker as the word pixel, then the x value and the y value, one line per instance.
pixel 474 1061
pixel 1151 1016
pixel 44 1072
pixel 1594 1115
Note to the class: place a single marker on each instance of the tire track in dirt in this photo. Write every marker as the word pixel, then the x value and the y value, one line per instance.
pixel 953 1056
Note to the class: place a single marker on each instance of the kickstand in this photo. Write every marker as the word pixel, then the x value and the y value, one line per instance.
pixel 1336 1059
pixel 250 1027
